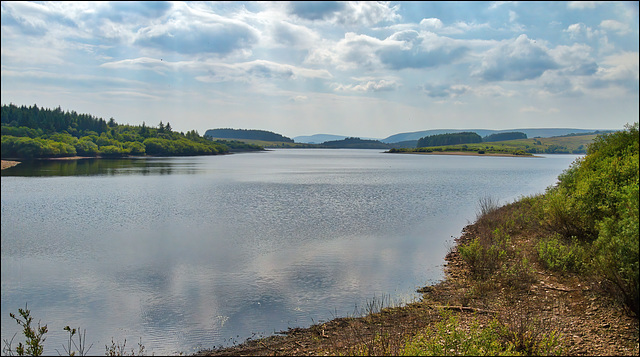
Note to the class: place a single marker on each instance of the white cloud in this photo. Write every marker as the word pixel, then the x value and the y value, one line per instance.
pixel 431 23
pixel 448 91
pixel 362 13
pixel 513 16
pixel 401 50
pixel 620 69
pixel 247 71
pixel 212 71
pixel 515 60
pixel 555 84
pixel 615 26
pixel 369 85
pixel 493 91
pixel 577 30
pixel 190 31
pixel 286 34
pixel 459 27
pixel 157 65
pixel 581 5
pixel 29 75
pixel 575 59
pixel 497 4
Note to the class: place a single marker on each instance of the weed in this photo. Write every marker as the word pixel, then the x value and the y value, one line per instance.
pixel 448 338
pixel 120 350
pixel 33 345
pixel 486 205
pixel 483 258
pixel 529 335
pixel 80 347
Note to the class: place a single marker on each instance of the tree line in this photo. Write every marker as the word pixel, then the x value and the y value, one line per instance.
pixel 354 143
pixel 33 132
pixel 466 137
pixel 249 134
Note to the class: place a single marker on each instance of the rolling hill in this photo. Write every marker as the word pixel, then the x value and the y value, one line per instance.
pixel 531 133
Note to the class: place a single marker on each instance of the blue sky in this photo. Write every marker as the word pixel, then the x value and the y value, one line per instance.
pixel 369 69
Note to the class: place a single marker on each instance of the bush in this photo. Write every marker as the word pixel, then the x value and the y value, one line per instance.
pixel 617 249
pixel 111 151
pixel 86 147
pixel 33 345
pixel 483 257
pixel 597 201
pixel 558 256
pixel 497 339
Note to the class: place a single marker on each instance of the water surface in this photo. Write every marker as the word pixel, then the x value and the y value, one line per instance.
pixel 196 252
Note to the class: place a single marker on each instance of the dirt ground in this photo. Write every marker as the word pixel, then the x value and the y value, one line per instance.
pixel 589 322
pixel 7 164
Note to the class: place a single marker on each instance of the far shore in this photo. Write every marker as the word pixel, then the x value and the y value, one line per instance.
pixel 7 164
pixel 10 163
pixel 461 153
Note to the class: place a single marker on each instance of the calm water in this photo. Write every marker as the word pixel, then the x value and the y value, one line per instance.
pixel 191 253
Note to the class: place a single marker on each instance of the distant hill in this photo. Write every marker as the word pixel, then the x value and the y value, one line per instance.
pixel 250 134
pixel 531 133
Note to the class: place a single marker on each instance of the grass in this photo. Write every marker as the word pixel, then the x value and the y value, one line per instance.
pixel 521 147
pixel 449 338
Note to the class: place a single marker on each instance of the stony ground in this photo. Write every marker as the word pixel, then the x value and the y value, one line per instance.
pixel 589 322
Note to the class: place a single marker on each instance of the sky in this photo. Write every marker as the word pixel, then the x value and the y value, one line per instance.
pixel 366 69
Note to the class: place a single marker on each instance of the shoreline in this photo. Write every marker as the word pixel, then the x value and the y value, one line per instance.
pixel 585 319
pixel 8 163
pixel 11 163
pixel 462 153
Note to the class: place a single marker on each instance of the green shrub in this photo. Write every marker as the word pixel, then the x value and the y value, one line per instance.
pixel 112 151
pixel 558 256
pixel 486 253
pixel 558 215
pixel 449 339
pixel 616 249
pixel 33 345
pixel 597 201
pixel 518 275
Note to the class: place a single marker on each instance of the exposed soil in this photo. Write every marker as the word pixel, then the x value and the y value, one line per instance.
pixel 587 318
pixel 7 164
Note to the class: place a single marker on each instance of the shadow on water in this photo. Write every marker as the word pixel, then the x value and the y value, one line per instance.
pixel 101 167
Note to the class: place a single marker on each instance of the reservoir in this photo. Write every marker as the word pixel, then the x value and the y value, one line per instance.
pixel 190 253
